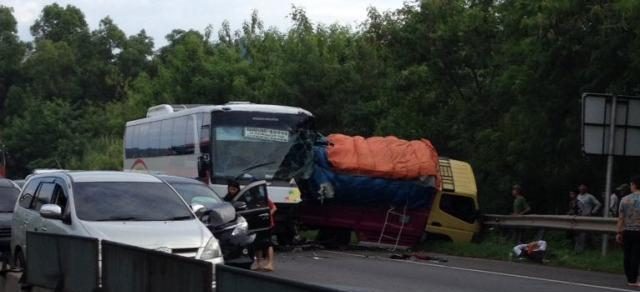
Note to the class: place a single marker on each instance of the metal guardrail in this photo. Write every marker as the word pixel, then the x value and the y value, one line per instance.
pixel 64 262
pixel 563 222
pixel 128 268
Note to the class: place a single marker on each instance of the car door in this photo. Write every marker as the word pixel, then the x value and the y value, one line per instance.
pixel 43 197
pixel 24 213
pixel 60 197
pixel 257 213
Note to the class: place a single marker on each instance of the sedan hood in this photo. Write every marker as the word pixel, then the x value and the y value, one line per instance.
pixel 151 234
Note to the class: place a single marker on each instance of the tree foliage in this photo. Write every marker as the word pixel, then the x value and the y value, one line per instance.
pixel 496 83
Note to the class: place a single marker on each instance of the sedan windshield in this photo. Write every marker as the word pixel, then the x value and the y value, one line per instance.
pixel 197 193
pixel 8 197
pixel 128 201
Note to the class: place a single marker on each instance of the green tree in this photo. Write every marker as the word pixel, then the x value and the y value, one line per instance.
pixel 12 51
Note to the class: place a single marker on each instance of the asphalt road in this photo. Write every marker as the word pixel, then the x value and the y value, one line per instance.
pixel 368 271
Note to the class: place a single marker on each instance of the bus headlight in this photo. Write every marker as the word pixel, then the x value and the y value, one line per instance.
pixel 211 250
pixel 242 228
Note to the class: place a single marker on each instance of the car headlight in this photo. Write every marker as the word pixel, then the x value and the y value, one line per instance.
pixel 211 250
pixel 241 228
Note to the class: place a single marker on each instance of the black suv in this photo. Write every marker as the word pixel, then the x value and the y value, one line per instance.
pixel 9 192
pixel 220 217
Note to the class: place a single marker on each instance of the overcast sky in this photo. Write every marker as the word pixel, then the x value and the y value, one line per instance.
pixel 159 17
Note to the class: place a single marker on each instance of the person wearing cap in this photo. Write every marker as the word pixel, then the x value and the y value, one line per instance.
pixel 233 188
pixel 520 205
pixel 628 229
pixel 614 199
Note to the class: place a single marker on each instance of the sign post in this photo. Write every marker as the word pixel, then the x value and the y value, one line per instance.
pixel 611 127
pixel 608 183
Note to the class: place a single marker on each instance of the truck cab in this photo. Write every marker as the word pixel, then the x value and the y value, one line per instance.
pixel 454 213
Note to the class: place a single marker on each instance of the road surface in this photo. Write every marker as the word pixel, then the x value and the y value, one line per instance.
pixel 369 271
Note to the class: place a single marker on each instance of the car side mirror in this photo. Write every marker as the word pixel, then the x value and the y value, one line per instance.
pixel 51 211
pixel 239 206
pixel 199 210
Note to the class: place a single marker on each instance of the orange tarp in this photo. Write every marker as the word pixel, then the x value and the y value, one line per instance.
pixel 385 157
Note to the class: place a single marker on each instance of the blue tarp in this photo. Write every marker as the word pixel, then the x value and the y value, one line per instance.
pixel 364 190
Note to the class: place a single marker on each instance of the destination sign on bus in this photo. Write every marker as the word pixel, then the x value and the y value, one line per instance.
pixel 266 134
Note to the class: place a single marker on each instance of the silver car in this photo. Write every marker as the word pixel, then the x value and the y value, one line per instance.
pixel 9 192
pixel 131 208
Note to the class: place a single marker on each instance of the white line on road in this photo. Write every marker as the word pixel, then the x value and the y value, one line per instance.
pixel 491 273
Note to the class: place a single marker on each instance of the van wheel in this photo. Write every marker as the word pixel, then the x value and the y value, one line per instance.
pixel 19 260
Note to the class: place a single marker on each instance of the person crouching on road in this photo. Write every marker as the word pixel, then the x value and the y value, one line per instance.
pixel 264 245
pixel 629 231
pixel 534 250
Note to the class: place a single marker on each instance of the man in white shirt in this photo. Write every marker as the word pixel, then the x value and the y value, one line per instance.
pixel 590 205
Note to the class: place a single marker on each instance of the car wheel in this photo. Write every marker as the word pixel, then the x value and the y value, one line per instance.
pixel 19 260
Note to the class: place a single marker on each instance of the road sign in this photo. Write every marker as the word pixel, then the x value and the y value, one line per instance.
pixel 596 122
pixel 610 126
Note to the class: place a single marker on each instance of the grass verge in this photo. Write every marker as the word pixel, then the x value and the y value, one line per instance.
pixel 559 253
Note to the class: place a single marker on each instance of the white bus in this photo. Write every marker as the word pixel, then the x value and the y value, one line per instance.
pixel 216 143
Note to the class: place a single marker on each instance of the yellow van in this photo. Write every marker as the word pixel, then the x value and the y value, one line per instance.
pixel 454 215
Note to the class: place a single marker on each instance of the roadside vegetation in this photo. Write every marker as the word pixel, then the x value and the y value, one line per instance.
pixel 495 83
pixel 560 253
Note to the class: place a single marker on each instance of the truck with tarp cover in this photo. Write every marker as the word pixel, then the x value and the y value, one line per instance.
pixel 389 191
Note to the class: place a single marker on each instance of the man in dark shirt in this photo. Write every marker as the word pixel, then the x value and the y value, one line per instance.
pixel 520 205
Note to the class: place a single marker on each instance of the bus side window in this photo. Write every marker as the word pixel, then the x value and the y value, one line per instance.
pixel 178 134
pixel 143 140
pixel 131 141
pixel 189 142
pixel 204 125
pixel 135 143
pixel 155 130
pixel 166 136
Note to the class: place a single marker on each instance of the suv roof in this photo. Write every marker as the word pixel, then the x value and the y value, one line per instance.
pixel 103 176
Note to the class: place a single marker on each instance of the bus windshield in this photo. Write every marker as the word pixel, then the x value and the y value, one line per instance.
pixel 257 140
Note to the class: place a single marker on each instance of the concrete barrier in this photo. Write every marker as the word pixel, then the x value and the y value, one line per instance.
pixel 230 279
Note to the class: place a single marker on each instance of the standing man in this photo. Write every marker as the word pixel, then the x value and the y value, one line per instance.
pixel 590 205
pixel 629 232
pixel 574 204
pixel 520 205
pixel 264 245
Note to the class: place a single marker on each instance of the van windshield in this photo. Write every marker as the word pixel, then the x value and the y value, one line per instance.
pixel 128 201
